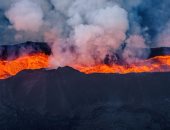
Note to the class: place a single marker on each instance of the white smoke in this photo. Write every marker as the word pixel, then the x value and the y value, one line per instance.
pixel 136 49
pixel 98 28
pixel 80 31
pixel 25 15
pixel 164 37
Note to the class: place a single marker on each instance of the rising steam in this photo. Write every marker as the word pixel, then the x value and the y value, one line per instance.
pixel 87 32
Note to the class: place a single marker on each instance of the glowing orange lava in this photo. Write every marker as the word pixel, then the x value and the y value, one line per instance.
pixel 12 67
pixel 156 64
pixel 40 60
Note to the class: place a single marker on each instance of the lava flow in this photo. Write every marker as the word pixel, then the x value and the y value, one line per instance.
pixel 155 64
pixel 40 60
pixel 12 67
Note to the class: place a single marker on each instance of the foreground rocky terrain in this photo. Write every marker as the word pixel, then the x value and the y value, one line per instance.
pixel 67 99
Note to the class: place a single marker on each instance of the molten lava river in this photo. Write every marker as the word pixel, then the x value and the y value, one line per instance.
pixel 12 67
pixel 9 68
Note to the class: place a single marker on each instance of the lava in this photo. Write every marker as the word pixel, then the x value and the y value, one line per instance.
pixel 10 68
pixel 32 62
pixel 155 64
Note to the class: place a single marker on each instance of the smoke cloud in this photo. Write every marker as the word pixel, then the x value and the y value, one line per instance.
pixel 86 31
pixel 164 36
pixel 25 16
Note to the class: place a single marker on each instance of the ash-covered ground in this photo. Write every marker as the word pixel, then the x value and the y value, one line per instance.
pixel 66 99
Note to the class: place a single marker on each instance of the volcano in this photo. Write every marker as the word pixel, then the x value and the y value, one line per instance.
pixel 85 65
pixel 67 99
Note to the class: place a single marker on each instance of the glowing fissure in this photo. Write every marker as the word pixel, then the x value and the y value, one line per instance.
pixel 41 60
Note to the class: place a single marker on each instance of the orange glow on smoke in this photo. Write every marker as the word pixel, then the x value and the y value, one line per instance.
pixel 40 60
pixel 34 61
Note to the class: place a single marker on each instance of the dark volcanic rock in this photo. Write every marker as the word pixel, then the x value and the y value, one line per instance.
pixel 66 99
pixel 159 51
pixel 14 51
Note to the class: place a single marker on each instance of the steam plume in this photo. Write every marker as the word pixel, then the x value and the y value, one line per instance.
pixel 86 31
